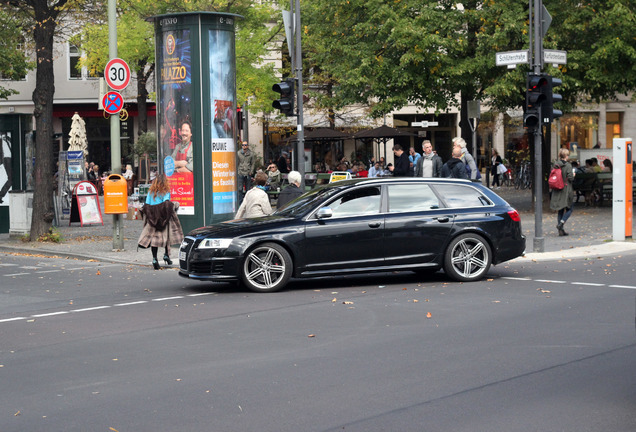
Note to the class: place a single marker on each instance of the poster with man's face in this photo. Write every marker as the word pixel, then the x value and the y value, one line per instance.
pixel 5 168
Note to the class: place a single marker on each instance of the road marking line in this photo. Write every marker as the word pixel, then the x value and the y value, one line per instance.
pixel 91 309
pixel 623 286
pixel 17 274
pixel 588 284
pixel 167 298
pixel 49 314
pixel 132 303
pixel 47 271
pixel 7 265
pixel 550 281
pixel 517 278
pixel 12 319
pixel 201 294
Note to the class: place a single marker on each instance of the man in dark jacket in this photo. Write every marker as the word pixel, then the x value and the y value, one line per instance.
pixel 401 167
pixel 454 167
pixel 292 191
pixel 430 164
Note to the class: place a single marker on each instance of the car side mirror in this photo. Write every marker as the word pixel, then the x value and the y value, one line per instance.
pixel 324 212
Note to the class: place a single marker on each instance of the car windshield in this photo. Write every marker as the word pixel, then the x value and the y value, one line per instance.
pixel 306 202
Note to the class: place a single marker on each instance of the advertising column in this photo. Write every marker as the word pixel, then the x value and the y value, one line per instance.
pixel 196 110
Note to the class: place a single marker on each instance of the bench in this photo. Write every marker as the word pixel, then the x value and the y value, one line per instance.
pixel 597 188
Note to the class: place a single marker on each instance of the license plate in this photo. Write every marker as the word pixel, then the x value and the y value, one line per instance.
pixel 182 255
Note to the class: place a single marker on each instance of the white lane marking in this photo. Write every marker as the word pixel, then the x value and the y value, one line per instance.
pixel 132 303
pixel 49 314
pixel 588 284
pixel 7 265
pixel 623 286
pixel 17 274
pixel 47 271
pixel 516 278
pixel 167 298
pixel 201 294
pixel 550 281
pixel 12 319
pixel 91 309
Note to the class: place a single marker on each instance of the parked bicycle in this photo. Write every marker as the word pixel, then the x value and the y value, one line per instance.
pixel 523 176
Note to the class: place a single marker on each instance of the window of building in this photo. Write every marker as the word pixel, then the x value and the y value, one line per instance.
pixel 73 60
pixel 578 128
pixel 613 121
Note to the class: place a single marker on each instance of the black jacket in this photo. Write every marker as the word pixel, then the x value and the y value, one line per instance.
pixel 288 194
pixel 402 165
pixel 454 168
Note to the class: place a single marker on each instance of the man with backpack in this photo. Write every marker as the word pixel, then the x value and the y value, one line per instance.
pixel 562 200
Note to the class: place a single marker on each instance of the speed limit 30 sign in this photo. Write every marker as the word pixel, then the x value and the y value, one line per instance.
pixel 117 74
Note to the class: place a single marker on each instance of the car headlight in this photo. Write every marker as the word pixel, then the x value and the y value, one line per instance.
pixel 214 244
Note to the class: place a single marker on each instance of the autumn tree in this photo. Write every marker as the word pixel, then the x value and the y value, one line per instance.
pixel 42 20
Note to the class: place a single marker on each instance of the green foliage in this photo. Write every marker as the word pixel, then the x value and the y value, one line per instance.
pixel 387 54
pixel 146 144
pixel 14 62
pixel 53 236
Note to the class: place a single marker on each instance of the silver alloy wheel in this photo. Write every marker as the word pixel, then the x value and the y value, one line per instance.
pixel 266 268
pixel 468 258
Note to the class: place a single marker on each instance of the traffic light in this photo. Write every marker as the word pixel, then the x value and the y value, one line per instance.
pixel 548 111
pixel 534 98
pixel 286 102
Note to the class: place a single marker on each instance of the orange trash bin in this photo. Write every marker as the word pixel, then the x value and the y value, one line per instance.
pixel 115 195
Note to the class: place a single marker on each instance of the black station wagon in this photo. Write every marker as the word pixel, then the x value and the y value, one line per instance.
pixel 361 226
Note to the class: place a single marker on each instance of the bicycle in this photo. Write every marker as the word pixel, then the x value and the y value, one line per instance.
pixel 523 176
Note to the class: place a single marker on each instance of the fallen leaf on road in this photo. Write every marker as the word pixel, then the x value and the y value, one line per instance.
pixel 311 335
pixel 347 302
pixel 334 300
pixel 429 315
pixel 98 273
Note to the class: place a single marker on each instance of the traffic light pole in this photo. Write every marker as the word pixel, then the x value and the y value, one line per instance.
pixel 298 63
pixel 536 33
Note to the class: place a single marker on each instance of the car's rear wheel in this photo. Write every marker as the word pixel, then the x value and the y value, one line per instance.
pixel 267 268
pixel 468 258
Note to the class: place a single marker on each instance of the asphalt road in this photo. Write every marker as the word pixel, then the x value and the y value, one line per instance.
pixel 539 346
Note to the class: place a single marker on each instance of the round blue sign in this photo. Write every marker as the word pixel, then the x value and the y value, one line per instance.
pixel 168 166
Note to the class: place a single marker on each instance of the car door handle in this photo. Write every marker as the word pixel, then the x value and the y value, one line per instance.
pixel 442 219
pixel 374 224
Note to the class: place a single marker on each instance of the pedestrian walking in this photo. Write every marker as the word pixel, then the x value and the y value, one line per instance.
pixel 245 170
pixel 401 168
pixel 161 224
pixel 495 161
pixel 292 191
pixel 562 200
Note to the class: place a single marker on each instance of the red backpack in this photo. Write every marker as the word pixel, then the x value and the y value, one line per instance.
pixel 555 180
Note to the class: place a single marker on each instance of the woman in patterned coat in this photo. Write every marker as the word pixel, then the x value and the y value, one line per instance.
pixel 161 224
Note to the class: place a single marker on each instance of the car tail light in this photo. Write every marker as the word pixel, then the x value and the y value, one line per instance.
pixel 514 215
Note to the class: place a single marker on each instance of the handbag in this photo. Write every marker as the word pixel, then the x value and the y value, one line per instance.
pixel 501 169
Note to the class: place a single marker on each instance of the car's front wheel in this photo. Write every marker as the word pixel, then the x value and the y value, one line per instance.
pixel 468 258
pixel 267 268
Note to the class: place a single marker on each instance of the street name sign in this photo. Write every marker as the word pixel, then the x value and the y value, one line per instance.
pixel 117 74
pixel 425 124
pixel 555 57
pixel 511 58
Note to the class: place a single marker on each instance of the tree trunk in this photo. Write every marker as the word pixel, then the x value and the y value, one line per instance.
pixel 43 33
pixel 142 97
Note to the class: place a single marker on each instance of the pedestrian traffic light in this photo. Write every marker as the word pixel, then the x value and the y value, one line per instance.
pixel 548 111
pixel 286 102
pixel 534 99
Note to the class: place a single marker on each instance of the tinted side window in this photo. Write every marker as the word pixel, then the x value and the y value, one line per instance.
pixel 456 196
pixel 362 201
pixel 411 198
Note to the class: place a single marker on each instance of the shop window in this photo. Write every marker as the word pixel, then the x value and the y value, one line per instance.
pixel 579 128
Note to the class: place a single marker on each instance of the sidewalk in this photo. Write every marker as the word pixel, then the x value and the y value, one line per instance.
pixel 590 230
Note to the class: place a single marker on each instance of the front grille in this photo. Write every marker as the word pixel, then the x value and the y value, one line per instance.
pixel 186 247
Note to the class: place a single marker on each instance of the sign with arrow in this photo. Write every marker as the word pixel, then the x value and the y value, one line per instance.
pixel 113 102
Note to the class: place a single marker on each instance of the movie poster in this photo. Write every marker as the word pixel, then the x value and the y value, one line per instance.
pixel 176 126
pixel 222 89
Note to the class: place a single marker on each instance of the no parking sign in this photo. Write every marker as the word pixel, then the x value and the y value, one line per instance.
pixel 112 102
